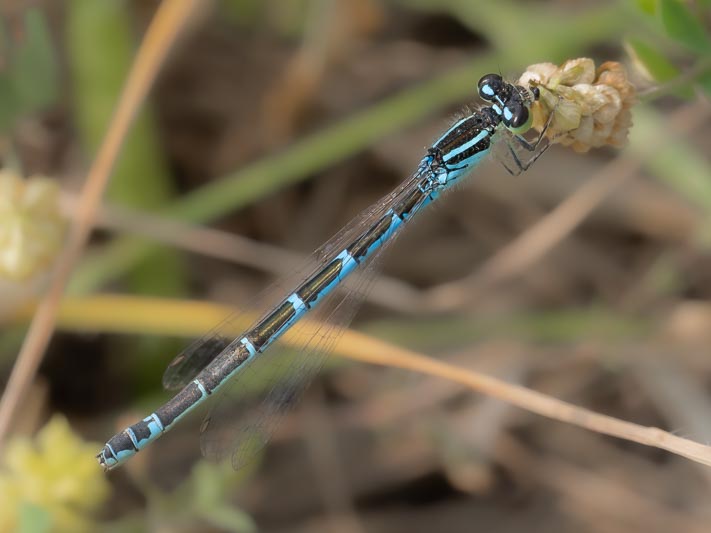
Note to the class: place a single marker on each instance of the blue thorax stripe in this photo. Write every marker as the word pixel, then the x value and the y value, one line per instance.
pixel 451 129
pixel 466 146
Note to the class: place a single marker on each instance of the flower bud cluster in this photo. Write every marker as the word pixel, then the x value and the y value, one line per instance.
pixel 590 107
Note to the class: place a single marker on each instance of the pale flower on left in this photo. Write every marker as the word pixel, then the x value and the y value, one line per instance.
pixel 54 473
pixel 32 228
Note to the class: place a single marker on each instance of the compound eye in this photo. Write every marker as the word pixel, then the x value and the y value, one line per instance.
pixel 489 86
pixel 517 118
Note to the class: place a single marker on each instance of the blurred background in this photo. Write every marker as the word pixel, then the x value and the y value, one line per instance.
pixel 273 123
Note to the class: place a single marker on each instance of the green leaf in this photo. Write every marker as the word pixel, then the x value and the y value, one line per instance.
pixel 33 70
pixel 3 40
pixel 681 24
pixel 230 519
pixel 208 483
pixel 678 163
pixel 28 70
pixel 652 60
pixel 655 64
pixel 8 109
pixel 209 499
pixel 244 12
pixel 704 82
pixel 647 6
pixel 101 46
pixel 34 519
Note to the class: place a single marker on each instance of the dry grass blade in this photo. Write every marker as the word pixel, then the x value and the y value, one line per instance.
pixel 127 314
pixel 171 17
pixel 367 349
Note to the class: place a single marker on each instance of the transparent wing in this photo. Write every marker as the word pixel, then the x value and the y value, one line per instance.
pixel 188 363
pixel 245 415
pixel 200 353
pixel 275 379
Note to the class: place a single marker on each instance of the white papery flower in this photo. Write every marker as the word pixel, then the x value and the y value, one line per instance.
pixel 591 107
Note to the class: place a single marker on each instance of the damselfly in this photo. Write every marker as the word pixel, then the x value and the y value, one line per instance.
pixel 221 362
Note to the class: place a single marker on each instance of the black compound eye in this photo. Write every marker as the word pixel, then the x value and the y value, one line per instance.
pixel 519 117
pixel 516 117
pixel 490 85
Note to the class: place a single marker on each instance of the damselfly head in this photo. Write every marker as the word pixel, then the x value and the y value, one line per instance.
pixel 510 102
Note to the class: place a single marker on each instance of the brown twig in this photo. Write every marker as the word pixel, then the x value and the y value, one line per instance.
pixel 170 19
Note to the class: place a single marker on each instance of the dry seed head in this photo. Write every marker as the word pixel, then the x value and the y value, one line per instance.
pixel 591 107
pixel 32 228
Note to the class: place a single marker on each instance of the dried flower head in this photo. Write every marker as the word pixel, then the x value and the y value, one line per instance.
pixel 32 228
pixel 590 107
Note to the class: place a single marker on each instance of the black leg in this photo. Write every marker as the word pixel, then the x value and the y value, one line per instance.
pixel 533 146
pixel 519 165
pixel 538 153
pixel 513 162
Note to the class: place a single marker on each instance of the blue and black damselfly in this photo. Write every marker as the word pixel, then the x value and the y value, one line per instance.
pixel 221 362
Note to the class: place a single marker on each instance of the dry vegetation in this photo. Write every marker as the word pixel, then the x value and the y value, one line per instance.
pixel 585 279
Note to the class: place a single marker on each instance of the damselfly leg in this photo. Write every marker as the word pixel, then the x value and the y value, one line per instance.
pixel 535 148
